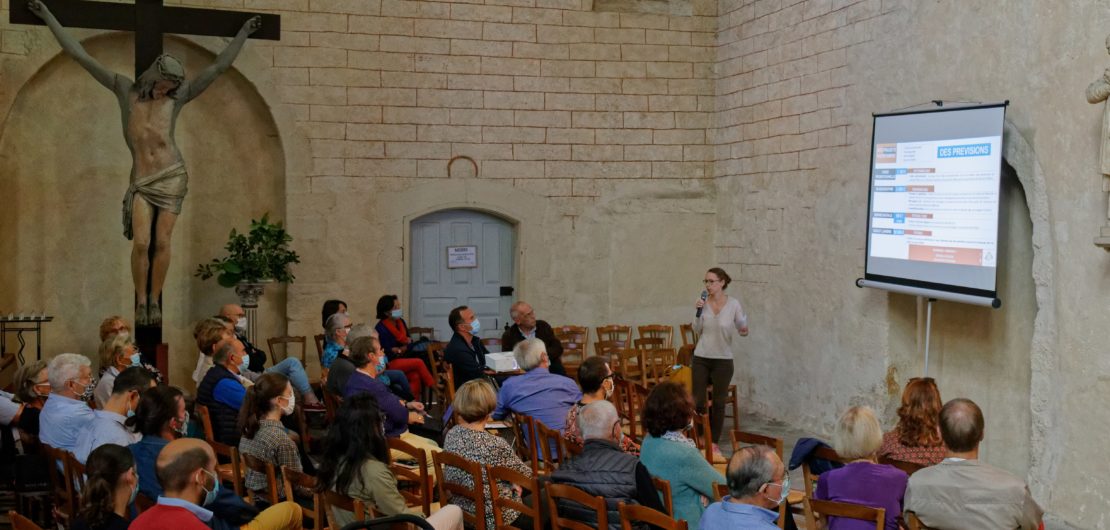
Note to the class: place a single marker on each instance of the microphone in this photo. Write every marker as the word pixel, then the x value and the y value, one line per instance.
pixel 704 295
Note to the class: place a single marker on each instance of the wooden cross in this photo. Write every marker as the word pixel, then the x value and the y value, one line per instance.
pixel 149 19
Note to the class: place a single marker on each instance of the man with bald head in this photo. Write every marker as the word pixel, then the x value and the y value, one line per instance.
pixel 963 492
pixel 757 485
pixel 527 327
pixel 234 314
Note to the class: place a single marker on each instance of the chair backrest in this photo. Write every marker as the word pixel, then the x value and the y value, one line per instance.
pixel 528 485
pixel 293 479
pixel 664 489
pixel 909 467
pixel 425 332
pixel 634 513
pixel 702 436
pixel 286 341
pixel 142 502
pixel 524 433
pixel 77 474
pixel 657 364
pixel 332 403
pixel 319 339
pixel 415 482
pixel 332 500
pixel 440 369
pixel 614 332
pixel 61 483
pixel 637 396
pixel 741 439
pixel 817 510
pixel 205 421
pixel 573 339
pixel 650 343
pixel 575 495
pixel 20 522
pixel 913 523
pixel 266 468
pixel 826 453
pixel 658 331
pixel 549 440
pixel 723 491
pixel 629 365
pixel 449 382
pixel 476 494
pixel 689 336
pixel 230 457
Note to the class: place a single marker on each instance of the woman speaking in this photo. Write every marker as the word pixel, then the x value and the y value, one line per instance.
pixel 721 320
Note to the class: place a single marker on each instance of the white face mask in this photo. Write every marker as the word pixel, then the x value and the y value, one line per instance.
pixel 290 405
pixel 241 324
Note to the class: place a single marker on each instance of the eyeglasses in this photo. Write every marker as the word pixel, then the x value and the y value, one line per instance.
pixel 707 282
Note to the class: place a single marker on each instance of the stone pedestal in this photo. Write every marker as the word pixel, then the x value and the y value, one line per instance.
pixel 249 293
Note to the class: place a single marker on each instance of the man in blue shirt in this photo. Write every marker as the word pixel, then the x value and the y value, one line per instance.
pixel 757 484
pixel 107 427
pixel 66 412
pixel 538 393
pixel 223 393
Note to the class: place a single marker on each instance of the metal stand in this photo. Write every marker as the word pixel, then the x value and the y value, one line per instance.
pixel 928 331
pixel 19 324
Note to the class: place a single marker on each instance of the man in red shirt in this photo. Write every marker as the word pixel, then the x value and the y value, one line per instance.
pixel 187 470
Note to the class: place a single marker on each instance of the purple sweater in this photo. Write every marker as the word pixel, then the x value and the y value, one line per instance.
pixel 875 485
pixel 396 415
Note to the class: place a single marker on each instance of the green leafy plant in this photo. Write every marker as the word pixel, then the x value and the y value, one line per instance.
pixel 259 255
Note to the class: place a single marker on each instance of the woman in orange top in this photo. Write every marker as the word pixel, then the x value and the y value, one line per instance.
pixel 916 438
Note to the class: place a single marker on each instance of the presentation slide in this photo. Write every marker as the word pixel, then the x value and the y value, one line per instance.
pixel 934 203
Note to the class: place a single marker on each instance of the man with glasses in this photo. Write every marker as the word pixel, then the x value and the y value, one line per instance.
pixel 527 327
pixel 757 485
pixel 66 413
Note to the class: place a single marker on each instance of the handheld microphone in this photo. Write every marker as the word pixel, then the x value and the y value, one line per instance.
pixel 704 295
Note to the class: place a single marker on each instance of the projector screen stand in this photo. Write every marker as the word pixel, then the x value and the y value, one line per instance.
pixel 928 331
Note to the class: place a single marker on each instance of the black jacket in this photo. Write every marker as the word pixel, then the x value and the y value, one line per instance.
pixel 543 332
pixel 603 469
pixel 258 357
pixel 225 420
pixel 467 362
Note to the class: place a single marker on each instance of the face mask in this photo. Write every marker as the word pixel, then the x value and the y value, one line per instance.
pixel 785 490
pixel 35 389
pixel 396 313
pixel 289 407
pixel 475 327
pixel 136 359
pixel 134 491
pixel 210 495
pixel 381 364
pixel 246 362
pixel 241 324
pixel 123 333
pixel 183 427
pixel 88 391
pixel 130 411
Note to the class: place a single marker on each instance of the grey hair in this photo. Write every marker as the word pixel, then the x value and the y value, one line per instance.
pixel 749 469
pixel 25 378
pixel 597 419
pixel 529 353
pixel 514 310
pixel 335 322
pixel 359 331
pixel 65 367
pixel 223 353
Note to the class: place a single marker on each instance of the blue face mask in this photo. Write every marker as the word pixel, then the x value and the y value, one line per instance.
pixel 475 327
pixel 396 313
pixel 210 495
pixel 136 359
pixel 246 362
pixel 381 364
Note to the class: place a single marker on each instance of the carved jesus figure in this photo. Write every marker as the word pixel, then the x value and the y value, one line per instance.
pixel 149 108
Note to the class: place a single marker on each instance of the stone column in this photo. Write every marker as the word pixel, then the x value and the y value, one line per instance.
pixel 249 293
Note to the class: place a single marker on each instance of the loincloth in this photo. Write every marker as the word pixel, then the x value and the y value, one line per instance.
pixel 164 190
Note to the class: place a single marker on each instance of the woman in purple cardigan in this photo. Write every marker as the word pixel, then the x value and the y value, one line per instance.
pixel 863 480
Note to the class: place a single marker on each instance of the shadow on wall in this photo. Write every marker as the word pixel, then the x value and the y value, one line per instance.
pixel 66 167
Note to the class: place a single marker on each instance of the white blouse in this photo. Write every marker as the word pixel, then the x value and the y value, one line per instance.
pixel 718 333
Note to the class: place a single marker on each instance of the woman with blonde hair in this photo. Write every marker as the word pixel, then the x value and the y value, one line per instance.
pixel 117 353
pixel 916 438
pixel 863 480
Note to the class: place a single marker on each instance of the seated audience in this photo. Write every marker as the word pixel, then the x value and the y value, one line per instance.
pixel 67 413
pixel 330 308
pixel 237 317
pixel 335 337
pixel 465 351
pixel 111 483
pixel 24 406
pixel 538 393
pixel 862 481
pixel 159 419
pixel 670 455
pixel 366 355
pixel 222 391
pixel 916 438
pixel 525 326
pixel 603 469
pixel 108 425
pixel 963 492
pixel 210 333
pixel 596 379
pixel 394 337
pixel 192 498
pixel 355 462
pixel 114 325
pixel 117 352
pixel 264 437
pixel 473 406
pixel 394 379
pixel 757 485
pixel 342 367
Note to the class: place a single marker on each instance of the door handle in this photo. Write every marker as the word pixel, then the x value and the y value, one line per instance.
pixel 506 290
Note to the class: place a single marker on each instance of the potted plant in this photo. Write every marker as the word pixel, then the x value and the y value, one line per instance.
pixel 259 256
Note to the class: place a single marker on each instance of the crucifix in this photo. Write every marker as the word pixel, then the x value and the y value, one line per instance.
pixel 149 105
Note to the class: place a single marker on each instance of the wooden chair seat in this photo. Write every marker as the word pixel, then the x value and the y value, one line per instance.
pixel 20 522
pixel 818 511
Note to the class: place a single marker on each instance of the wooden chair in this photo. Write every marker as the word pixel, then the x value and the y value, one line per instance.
pixel 332 500
pixel 817 513
pixel 319 339
pixel 424 332
pixel 61 484
pixel 650 343
pixel 524 434
pixel 689 336
pixel 702 436
pixel 913 523
pixel 730 399
pixel 77 475
pixel 447 489
pixel 575 495
pixel 205 421
pixel 286 341
pixel 270 494
pixel 794 497
pixel 410 479
pixel 440 371
pixel 622 393
pixel 826 453
pixel 664 489
pixel 573 339
pixel 658 331
pixel 629 365
pixel 20 522
pixel 144 503
pixel 614 332
pixel 637 396
pixel 449 382
pixel 528 485
pixel 332 403
pixel 549 440
pixel 657 364
pixel 292 479
pixel 228 467
pixel 909 467
pixel 633 513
